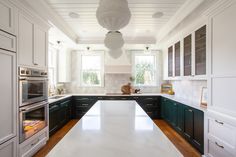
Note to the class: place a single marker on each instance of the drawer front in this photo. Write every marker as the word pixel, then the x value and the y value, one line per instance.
pixel 34 145
pixel 215 149
pixel 8 42
pixel 222 131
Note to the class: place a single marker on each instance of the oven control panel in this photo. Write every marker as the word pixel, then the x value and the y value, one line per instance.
pixel 32 72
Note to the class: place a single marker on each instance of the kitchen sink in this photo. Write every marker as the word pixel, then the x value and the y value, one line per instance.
pixel 57 97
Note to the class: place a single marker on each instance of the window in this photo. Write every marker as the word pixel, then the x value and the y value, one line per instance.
pixel 92 69
pixel 144 69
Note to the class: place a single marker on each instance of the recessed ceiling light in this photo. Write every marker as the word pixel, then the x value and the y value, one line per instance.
pixel 157 15
pixel 74 15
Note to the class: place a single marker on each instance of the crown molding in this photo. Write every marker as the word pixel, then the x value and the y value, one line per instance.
pixel 188 7
pixel 44 10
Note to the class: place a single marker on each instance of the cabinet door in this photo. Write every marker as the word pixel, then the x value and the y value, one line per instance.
pixel 163 103
pixel 170 61
pixel 26 40
pixel 188 55
pixel 53 118
pixel 9 148
pixel 180 118
pixel 40 47
pixel 177 59
pixel 198 133
pixel 8 114
pixel 173 113
pixel 188 122
pixel 200 51
pixel 7 13
pixel 64 112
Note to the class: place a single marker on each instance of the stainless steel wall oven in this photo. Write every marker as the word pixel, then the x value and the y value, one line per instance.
pixel 33 86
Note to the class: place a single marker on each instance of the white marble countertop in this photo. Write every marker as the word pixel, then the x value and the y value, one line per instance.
pixel 190 103
pixel 115 129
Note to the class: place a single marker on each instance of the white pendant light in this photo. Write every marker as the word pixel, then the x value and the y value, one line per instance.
pixel 113 14
pixel 115 53
pixel 114 40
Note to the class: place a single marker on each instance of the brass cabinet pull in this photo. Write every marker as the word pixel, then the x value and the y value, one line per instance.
pixel 149 104
pixel 219 145
pixel 85 104
pixel 219 122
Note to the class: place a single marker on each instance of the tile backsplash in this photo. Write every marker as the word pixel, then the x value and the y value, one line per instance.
pixel 113 83
pixel 189 90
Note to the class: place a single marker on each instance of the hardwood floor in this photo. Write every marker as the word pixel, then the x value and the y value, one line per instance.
pixel 184 147
pixel 54 139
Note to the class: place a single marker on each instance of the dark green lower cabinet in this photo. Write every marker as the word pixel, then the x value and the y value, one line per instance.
pixel 187 121
pixel 81 105
pixel 59 115
pixel 180 118
pixel 54 114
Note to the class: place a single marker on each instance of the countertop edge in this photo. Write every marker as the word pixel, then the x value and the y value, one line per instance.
pixel 171 97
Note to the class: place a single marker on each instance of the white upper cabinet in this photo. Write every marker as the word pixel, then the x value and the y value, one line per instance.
pixel 26 31
pixel 223 60
pixel 186 57
pixel 7 16
pixel 40 46
pixel 223 43
pixel 33 41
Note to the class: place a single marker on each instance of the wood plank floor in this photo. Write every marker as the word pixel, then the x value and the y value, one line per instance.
pixel 184 147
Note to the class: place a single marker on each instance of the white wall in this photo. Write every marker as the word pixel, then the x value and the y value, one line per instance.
pixel 112 82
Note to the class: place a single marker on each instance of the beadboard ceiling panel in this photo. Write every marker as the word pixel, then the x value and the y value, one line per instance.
pixel 141 25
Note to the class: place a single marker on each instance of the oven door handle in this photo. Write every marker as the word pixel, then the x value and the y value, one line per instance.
pixel 32 79
pixel 30 108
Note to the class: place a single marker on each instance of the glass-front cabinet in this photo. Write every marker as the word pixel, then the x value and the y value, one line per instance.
pixel 170 61
pixel 177 59
pixel 200 51
pixel 190 61
pixel 188 55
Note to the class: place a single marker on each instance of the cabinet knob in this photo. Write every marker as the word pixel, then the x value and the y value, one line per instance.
pixel 190 110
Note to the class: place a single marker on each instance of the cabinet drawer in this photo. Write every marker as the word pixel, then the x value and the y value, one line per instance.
pixel 8 42
pixel 216 149
pixel 223 131
pixel 34 145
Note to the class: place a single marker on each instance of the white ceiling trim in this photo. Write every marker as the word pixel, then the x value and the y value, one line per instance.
pixel 188 7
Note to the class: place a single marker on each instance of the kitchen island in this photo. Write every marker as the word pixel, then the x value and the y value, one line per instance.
pixel 115 128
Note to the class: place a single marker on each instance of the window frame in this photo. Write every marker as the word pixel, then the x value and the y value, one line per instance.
pixel 92 53
pixel 143 53
pixel 54 69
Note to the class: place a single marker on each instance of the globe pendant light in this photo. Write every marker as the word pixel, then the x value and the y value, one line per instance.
pixel 115 53
pixel 113 14
pixel 114 40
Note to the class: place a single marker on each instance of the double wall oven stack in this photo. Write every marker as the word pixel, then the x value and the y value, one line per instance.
pixel 33 102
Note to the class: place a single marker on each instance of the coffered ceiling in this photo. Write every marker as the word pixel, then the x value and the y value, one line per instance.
pixel 142 26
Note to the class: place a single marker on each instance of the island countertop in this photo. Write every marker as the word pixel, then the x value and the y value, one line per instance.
pixel 115 129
